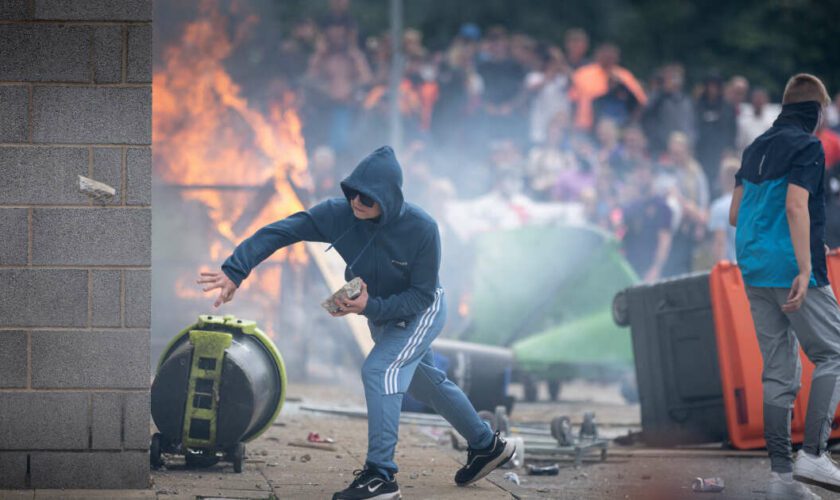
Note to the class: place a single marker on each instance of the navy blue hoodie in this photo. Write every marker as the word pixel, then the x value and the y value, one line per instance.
pixel 397 255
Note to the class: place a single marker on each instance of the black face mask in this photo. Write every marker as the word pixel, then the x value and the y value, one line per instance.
pixel 365 199
pixel 805 115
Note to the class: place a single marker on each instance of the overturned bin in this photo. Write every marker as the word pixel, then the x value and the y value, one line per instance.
pixel 675 352
pixel 220 383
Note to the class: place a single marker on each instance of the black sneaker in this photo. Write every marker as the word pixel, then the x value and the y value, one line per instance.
pixel 369 484
pixel 483 462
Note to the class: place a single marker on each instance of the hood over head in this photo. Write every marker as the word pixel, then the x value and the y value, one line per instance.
pixel 379 176
pixel 805 115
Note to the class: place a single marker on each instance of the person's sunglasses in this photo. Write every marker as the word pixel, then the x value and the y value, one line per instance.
pixel 365 199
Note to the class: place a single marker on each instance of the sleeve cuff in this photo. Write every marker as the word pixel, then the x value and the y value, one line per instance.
pixel 237 280
pixel 372 309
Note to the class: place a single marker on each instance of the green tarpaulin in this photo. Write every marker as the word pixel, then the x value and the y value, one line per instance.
pixel 554 287
pixel 594 340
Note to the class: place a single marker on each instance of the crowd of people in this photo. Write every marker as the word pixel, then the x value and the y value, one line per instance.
pixel 542 131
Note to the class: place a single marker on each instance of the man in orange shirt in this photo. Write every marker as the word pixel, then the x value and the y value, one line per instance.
pixel 591 81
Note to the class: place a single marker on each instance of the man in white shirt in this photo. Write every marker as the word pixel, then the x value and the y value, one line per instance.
pixel 756 118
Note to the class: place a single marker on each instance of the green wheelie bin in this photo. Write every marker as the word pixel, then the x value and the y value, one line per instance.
pixel 220 383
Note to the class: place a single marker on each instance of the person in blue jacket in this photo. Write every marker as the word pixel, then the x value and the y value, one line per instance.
pixel 778 209
pixel 394 247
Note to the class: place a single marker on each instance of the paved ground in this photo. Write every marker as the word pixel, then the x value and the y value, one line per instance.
pixel 428 461
pixel 277 469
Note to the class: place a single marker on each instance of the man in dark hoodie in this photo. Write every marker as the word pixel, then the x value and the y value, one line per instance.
pixel 394 247
pixel 779 212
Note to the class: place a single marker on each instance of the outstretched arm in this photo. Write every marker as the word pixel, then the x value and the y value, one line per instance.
pixel 314 225
pixel 266 241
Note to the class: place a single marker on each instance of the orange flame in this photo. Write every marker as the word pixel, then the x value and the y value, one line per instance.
pixel 205 132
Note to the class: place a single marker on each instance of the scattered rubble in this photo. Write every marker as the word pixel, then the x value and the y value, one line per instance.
pixel 316 446
pixel 708 485
pixel 314 437
pixel 549 470
pixel 350 291
pixel 512 477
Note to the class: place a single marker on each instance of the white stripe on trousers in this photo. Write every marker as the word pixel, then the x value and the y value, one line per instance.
pixel 426 321
pixel 423 327
pixel 391 374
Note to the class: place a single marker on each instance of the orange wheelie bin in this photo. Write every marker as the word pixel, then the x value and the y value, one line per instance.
pixel 741 363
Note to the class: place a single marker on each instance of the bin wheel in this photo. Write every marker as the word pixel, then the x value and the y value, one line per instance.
pixel 620 313
pixel 561 430
pixel 238 457
pixel 155 459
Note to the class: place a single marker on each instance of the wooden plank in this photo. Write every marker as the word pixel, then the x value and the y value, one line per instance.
pixel 616 451
pixel 332 266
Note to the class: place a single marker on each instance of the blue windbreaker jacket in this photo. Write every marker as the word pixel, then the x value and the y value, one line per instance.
pixel 788 153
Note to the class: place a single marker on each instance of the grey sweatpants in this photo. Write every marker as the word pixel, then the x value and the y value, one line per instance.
pixel 816 326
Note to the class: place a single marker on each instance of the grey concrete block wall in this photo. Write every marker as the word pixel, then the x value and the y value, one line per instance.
pixel 136 434
pixel 138 176
pixel 92 115
pixel 108 470
pixel 14 228
pixel 42 176
pixel 62 421
pixel 108 168
pixel 14 103
pixel 94 10
pixel 13 464
pixel 100 359
pixel 137 306
pixel 91 237
pixel 139 54
pixel 44 53
pixel 75 97
pixel 14 9
pixel 106 430
pixel 13 365
pixel 43 297
pixel 105 300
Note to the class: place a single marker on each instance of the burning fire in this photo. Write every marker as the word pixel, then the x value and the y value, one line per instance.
pixel 222 151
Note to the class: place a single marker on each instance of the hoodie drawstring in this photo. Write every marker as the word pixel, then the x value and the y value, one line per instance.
pixel 334 243
pixel 350 267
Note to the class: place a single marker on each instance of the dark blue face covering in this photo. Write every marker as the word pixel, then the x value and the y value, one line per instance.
pixel 801 114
